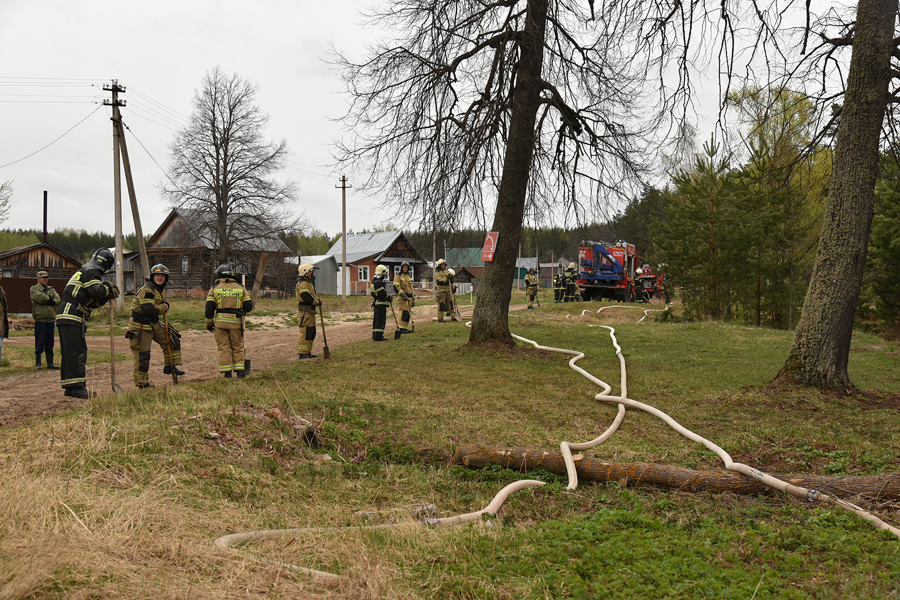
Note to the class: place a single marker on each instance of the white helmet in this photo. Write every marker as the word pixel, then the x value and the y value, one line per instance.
pixel 381 270
pixel 639 271
pixel 304 269
pixel 441 263
pixel 452 272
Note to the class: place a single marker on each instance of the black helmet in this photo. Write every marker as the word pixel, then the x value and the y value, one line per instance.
pixel 405 264
pixel 102 260
pixel 159 269
pixel 224 272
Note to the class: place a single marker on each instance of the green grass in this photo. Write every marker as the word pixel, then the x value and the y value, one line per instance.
pixel 156 477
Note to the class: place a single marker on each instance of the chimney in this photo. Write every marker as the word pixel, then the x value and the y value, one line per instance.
pixel 45 216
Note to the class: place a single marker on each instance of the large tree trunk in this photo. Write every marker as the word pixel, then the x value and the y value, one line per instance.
pixel 876 487
pixel 490 318
pixel 821 345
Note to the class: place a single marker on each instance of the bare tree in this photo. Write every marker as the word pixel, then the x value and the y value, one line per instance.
pixel 222 170
pixel 549 105
pixel 5 194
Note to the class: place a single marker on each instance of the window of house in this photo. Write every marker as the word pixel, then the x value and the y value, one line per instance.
pixel 364 273
pixel 185 264
pixel 397 270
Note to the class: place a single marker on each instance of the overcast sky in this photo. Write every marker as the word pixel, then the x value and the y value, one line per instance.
pixel 55 134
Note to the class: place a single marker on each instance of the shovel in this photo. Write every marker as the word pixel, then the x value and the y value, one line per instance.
pixel 397 323
pixel 243 336
pixel 112 353
pixel 169 348
pixel 325 350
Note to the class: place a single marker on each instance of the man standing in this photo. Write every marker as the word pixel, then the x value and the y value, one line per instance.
pixel 443 296
pixel 531 287
pixel 4 320
pixel 226 303
pixel 406 300
pixel 558 289
pixel 43 308
pixel 571 283
pixel 145 327
pixel 83 293
pixel 380 301
pixel 307 301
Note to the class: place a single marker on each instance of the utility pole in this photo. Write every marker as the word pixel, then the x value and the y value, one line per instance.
pixel 344 275
pixel 117 190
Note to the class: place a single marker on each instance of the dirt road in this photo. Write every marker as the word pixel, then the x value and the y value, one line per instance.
pixel 39 394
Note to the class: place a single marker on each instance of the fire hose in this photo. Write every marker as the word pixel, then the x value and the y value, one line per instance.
pixel 566 448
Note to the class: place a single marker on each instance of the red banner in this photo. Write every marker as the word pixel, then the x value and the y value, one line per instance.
pixel 490 245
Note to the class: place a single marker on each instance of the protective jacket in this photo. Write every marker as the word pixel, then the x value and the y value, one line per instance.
pixel 226 302
pixel 43 303
pixel 83 293
pixel 148 304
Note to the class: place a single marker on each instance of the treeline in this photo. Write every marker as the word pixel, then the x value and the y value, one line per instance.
pixel 78 244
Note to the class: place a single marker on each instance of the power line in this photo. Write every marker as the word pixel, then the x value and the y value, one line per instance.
pixel 56 140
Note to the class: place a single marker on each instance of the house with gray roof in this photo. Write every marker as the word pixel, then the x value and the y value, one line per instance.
pixel 367 250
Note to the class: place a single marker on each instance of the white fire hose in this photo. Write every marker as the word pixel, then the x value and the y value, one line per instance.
pixel 239 539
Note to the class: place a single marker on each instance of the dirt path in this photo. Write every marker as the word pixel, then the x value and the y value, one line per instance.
pixel 39 394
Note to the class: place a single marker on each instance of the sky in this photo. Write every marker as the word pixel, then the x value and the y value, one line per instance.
pixel 55 133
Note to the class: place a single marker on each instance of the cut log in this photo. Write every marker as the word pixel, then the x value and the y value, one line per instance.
pixel 884 487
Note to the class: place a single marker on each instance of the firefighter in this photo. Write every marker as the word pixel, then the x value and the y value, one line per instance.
pixel 145 327
pixel 453 308
pixel 558 288
pixel 307 301
pixel 531 287
pixel 83 293
pixel 44 300
pixel 664 291
pixel 571 284
pixel 226 304
pixel 405 297
pixel 443 294
pixel 380 302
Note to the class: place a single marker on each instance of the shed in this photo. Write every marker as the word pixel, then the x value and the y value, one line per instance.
pixel 326 267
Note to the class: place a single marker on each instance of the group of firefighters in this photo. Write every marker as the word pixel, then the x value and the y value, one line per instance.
pixel 227 303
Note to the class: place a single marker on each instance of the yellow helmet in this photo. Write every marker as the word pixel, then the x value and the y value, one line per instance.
pixel 304 269
pixel 381 270
pixel 441 263
pixel 571 266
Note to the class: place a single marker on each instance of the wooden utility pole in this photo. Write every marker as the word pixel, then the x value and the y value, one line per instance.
pixel 120 148
pixel 345 277
pixel 117 192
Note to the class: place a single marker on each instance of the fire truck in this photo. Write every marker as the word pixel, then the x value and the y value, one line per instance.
pixel 607 271
pixel 650 283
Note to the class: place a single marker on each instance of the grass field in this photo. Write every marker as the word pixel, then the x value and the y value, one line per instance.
pixel 124 497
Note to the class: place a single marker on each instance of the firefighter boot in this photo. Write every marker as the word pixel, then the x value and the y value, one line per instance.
pixel 167 370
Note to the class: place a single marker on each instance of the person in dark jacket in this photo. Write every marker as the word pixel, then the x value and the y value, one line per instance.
pixel 44 300
pixel 380 302
pixel 83 293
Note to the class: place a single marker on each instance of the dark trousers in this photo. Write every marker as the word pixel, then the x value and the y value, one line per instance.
pixel 73 348
pixel 43 337
pixel 379 320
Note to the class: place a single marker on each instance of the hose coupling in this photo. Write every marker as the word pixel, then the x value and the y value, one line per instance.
pixel 812 496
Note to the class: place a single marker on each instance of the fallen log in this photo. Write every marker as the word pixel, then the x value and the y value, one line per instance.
pixel 884 487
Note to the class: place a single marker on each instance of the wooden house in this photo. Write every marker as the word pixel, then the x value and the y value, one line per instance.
pixel 365 251
pixel 186 244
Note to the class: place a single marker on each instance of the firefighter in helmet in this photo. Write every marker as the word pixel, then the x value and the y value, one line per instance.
pixel 558 288
pixel 380 302
pixel 307 301
pixel 83 293
pixel 226 305
pixel 145 327
pixel 571 283
pixel 453 308
pixel 442 290
pixel 531 284
pixel 405 298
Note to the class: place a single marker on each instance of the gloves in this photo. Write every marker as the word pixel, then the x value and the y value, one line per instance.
pixel 112 289
pixel 210 328
pixel 163 307
pixel 318 302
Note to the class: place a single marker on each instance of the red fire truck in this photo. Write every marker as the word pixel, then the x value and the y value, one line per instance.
pixel 607 271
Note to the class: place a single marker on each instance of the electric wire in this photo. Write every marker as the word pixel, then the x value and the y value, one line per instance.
pixel 54 141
